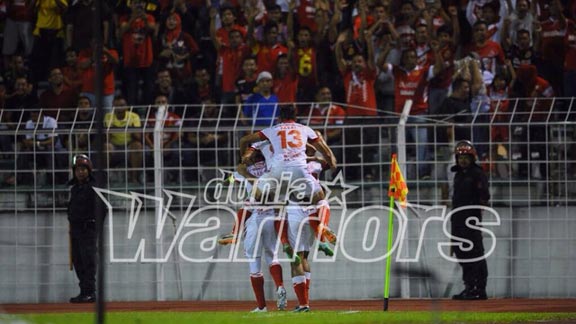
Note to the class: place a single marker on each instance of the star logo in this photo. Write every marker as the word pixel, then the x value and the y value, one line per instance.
pixel 335 198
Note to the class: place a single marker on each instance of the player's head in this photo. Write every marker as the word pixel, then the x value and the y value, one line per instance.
pixel 287 112
pixel 465 153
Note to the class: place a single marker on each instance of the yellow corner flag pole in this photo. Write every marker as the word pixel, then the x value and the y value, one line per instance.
pixel 396 190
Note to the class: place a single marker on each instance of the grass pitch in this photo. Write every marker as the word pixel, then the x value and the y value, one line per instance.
pixel 320 317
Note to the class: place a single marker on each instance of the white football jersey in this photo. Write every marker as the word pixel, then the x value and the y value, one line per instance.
pixel 288 142
pixel 315 168
pixel 266 149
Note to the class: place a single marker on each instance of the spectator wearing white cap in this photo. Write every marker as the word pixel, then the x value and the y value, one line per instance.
pixel 261 108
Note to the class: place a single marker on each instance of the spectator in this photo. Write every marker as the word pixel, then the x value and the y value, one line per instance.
pixel 246 83
pixel 202 89
pixel 269 49
pixel 274 14
pixel 228 20
pixel 79 26
pixel 83 122
pixel 522 52
pixel 489 52
pixel 203 150
pixel 17 68
pixel 405 25
pixel 325 113
pixel 552 46
pixel 125 146
pixel 535 113
pixel 481 78
pixel 359 79
pixel 44 150
pixel 72 72
pixel 455 110
pixel 86 65
pixel 411 83
pixel 305 55
pixel 7 152
pixel 285 79
pixel 230 57
pixel 440 84
pixel 170 143
pixel 261 108
pixel 20 101
pixel 520 19
pixel 176 49
pixel 492 13
pixel 48 36
pixel 58 96
pixel 137 31
pixel 18 28
pixel 165 86
pixel 498 92
pixel 306 13
pixel 423 51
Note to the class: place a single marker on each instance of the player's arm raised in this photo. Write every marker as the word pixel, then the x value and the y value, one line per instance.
pixel 247 140
pixel 323 148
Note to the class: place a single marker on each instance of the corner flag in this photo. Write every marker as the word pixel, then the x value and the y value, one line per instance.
pixel 397 189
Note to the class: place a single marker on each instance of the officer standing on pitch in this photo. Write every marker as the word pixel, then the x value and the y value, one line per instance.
pixel 82 218
pixel 470 189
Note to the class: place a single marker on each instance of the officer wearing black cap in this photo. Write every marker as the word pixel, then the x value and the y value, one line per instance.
pixel 470 189
pixel 82 218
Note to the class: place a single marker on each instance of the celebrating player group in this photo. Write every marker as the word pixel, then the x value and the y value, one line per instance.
pixel 280 169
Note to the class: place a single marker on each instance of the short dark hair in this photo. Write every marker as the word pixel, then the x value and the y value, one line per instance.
pixel 458 82
pixel 523 31
pixel 268 26
pixel 80 97
pixel 480 22
pixel 227 7
pixel 444 29
pixel 287 112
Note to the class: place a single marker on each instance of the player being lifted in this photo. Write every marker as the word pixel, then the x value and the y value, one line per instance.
pixel 289 141
pixel 255 167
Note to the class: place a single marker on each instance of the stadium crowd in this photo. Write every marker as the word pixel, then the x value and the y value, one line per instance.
pixel 450 56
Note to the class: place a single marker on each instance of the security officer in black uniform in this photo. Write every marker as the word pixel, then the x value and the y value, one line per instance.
pixel 82 218
pixel 470 189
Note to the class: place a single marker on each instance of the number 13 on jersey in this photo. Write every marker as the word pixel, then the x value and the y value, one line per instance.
pixel 291 138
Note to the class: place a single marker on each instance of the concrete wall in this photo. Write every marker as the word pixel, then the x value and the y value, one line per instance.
pixel 534 257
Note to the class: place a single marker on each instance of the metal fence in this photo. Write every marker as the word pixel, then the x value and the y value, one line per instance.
pixel 527 147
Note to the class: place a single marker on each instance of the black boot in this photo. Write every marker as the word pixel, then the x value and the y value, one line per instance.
pixel 471 293
pixel 83 299
pixel 463 295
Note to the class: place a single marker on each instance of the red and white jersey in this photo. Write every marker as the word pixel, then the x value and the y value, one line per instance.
pixel 288 142
pixel 411 85
pixel 315 168
pixel 266 149
pixel 491 55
